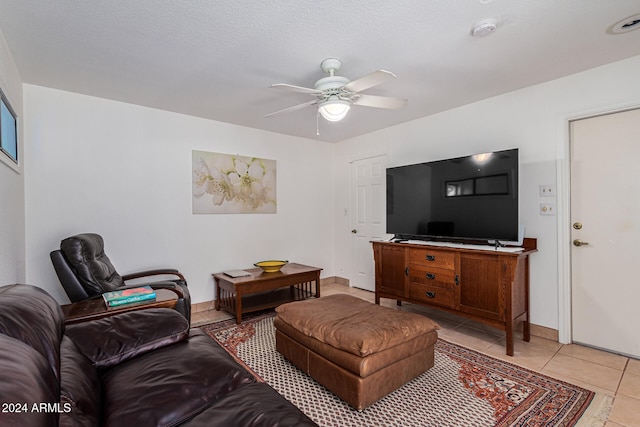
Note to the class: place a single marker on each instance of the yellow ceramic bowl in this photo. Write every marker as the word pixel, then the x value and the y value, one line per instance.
pixel 271 266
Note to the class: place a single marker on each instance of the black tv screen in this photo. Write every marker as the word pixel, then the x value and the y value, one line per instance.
pixel 472 197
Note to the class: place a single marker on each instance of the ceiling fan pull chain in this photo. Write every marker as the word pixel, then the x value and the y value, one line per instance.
pixel 317 123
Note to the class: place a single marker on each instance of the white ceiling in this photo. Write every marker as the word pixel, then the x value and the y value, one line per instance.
pixel 216 59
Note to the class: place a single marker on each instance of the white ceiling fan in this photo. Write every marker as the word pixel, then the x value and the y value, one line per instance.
pixel 334 95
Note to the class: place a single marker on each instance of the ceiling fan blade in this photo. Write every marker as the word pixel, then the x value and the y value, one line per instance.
pixel 370 80
pixel 293 88
pixel 379 101
pixel 294 108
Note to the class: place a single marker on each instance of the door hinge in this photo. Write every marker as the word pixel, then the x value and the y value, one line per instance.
pixel 406 271
pixel 457 280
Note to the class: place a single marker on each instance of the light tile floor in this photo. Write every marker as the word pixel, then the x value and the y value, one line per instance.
pixel 596 370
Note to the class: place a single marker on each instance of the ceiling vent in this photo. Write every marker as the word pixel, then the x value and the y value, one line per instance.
pixel 624 26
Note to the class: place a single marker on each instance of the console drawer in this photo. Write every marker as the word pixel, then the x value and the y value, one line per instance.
pixel 433 258
pixel 432 276
pixel 432 294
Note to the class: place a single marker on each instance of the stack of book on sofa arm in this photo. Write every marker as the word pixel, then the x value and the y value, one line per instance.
pixel 141 368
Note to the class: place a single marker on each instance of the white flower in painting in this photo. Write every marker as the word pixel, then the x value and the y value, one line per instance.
pixel 209 180
pixel 223 163
pixel 200 176
pixel 269 184
pixel 239 178
pixel 247 182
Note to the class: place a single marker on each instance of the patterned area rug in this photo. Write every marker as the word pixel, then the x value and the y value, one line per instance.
pixel 464 388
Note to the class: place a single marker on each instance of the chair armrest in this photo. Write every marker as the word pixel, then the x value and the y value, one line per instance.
pixel 112 340
pixel 157 272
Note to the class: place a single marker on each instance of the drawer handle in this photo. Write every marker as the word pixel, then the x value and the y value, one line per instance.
pixel 431 257
pixel 431 276
pixel 430 294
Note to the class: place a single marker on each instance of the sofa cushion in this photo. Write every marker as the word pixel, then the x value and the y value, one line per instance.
pixel 129 335
pixel 79 388
pixel 253 405
pixel 32 316
pixel 26 379
pixel 168 386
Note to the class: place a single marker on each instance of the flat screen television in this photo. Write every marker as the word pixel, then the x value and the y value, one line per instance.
pixel 472 197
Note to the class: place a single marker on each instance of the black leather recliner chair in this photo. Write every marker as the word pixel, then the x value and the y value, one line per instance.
pixel 85 272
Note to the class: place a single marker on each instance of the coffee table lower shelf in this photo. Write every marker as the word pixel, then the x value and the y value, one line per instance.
pixel 263 300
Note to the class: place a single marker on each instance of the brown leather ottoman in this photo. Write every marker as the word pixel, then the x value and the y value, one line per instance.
pixel 358 350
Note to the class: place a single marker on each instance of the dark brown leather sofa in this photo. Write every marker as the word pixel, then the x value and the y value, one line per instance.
pixel 142 368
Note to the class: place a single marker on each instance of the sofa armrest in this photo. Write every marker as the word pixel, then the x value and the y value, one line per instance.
pixel 112 340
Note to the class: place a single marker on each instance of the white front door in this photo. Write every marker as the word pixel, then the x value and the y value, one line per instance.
pixel 605 233
pixel 368 217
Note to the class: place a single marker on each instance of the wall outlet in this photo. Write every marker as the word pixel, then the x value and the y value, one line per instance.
pixel 547 190
pixel 547 208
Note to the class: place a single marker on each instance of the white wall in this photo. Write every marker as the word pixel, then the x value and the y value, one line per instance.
pixel 534 120
pixel 124 171
pixel 12 209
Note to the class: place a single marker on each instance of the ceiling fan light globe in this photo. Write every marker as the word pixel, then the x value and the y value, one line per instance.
pixel 334 110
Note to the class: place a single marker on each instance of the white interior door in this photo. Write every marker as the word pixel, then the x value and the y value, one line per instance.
pixel 368 217
pixel 605 217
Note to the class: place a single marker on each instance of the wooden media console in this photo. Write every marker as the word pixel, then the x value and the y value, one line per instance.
pixel 489 285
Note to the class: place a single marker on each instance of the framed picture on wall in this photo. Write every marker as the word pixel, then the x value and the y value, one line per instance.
pixel 8 129
pixel 232 184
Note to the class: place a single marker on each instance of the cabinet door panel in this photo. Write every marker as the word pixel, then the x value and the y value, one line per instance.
pixel 392 270
pixel 481 291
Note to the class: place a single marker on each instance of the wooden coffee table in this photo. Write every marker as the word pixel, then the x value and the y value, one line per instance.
pixel 261 290
pixel 96 308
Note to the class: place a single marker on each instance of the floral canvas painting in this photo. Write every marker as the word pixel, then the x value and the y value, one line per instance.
pixel 225 183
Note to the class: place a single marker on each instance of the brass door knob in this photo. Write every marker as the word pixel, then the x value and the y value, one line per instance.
pixel 578 242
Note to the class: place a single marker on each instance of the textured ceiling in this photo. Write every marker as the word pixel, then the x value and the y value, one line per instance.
pixel 216 59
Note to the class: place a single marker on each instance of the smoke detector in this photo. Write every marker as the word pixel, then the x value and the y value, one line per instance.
pixel 484 27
